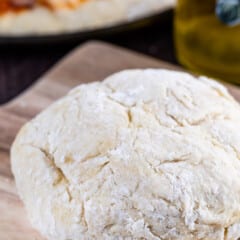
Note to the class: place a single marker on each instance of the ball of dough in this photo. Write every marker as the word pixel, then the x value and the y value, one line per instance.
pixel 145 154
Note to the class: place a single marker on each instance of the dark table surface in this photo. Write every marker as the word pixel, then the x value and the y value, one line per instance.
pixel 21 66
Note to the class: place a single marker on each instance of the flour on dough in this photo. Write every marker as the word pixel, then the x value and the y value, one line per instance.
pixel 145 154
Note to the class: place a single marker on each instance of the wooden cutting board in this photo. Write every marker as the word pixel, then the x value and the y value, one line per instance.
pixel 91 62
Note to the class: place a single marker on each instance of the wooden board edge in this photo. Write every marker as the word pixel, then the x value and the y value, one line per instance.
pixel 90 45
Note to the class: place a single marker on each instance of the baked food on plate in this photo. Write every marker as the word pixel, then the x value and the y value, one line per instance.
pixel 145 154
pixel 23 17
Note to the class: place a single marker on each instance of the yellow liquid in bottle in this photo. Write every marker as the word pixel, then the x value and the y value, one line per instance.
pixel 204 44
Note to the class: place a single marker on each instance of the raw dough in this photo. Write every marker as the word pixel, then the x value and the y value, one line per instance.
pixel 145 154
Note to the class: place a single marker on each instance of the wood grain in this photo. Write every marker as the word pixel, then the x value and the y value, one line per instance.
pixel 91 62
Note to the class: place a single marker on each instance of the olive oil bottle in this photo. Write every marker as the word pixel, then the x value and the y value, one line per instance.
pixel 207 40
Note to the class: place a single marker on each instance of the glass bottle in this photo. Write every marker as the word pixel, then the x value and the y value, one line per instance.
pixel 205 44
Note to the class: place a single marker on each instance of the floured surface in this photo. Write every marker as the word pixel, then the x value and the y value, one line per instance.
pixel 87 64
pixel 146 154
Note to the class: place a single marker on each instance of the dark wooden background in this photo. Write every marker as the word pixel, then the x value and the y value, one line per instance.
pixel 21 66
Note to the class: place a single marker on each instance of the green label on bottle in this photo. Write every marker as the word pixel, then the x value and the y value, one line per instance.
pixel 228 11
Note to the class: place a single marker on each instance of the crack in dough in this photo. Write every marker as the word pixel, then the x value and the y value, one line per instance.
pixel 61 175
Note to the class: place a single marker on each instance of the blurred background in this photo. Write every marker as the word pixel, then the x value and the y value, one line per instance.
pixel 204 38
pixel 21 65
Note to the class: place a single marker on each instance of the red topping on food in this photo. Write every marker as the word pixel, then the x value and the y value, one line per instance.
pixel 15 6
pixel 7 6
pixel 22 3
